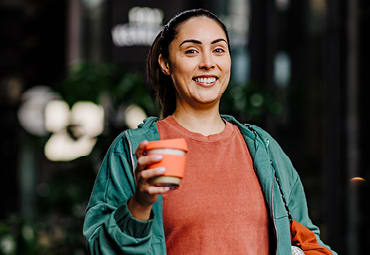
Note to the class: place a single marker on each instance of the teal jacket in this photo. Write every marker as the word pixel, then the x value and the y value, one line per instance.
pixel 109 227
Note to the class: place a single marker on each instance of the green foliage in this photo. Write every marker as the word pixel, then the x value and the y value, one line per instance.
pixel 56 228
pixel 91 81
pixel 86 82
pixel 250 103
pixel 18 236
pixel 132 89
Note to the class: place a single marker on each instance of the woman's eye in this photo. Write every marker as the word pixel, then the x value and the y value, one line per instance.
pixel 219 50
pixel 190 51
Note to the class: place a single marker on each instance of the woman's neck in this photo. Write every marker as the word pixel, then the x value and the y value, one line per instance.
pixel 205 122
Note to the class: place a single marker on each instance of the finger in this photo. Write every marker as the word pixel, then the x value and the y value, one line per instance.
pixel 141 148
pixel 144 161
pixel 150 173
pixel 152 190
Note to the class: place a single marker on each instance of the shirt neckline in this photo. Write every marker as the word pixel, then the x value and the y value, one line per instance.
pixel 226 133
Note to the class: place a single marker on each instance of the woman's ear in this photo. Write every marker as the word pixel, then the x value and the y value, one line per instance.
pixel 165 67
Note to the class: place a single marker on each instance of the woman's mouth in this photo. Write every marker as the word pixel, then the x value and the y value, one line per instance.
pixel 205 81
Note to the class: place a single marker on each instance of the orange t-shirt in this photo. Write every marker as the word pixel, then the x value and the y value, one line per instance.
pixel 219 207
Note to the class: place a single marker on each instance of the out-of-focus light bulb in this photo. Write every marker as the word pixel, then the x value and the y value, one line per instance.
pixel 85 120
pixel 357 179
pixel 31 112
pixel 57 115
pixel 282 69
pixel 89 116
pixel 282 4
pixel 134 115
pixel 61 147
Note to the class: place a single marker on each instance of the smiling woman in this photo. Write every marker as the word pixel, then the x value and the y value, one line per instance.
pixel 190 46
pixel 199 65
pixel 230 200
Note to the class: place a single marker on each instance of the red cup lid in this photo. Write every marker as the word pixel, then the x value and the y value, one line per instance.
pixel 178 143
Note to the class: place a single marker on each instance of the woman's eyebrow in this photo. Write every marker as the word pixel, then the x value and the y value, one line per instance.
pixel 199 42
pixel 191 41
pixel 218 40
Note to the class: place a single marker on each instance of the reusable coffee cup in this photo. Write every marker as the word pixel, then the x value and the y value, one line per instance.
pixel 173 152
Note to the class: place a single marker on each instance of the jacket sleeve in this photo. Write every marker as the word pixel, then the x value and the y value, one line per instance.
pixel 109 227
pixel 294 190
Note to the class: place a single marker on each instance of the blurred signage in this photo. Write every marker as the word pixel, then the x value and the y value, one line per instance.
pixel 143 26
pixel 134 25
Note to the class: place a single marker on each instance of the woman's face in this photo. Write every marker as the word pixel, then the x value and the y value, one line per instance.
pixel 199 62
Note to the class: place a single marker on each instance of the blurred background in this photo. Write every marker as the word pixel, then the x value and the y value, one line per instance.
pixel 72 77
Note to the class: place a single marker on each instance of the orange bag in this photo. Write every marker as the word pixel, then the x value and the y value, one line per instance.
pixel 306 240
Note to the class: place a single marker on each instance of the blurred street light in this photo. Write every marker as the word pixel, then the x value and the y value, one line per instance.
pixel 282 69
pixel 57 115
pixel 75 131
pixel 134 115
pixel 31 111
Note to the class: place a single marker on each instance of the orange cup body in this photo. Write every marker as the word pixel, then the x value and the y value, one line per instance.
pixel 173 152
pixel 174 165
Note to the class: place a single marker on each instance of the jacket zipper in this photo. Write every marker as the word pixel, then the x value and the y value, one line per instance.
pixel 131 157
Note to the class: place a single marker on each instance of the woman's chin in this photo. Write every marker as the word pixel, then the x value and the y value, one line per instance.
pixel 208 102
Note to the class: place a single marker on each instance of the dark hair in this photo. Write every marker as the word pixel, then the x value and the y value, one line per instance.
pixel 162 84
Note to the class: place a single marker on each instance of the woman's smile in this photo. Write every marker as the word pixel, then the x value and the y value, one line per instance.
pixel 205 80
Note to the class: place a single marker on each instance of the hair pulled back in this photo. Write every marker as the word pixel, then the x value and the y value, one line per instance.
pixel 161 83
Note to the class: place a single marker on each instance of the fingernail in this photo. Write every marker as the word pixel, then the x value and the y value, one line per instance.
pixel 158 157
pixel 161 169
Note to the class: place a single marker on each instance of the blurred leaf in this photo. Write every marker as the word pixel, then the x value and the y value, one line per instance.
pixel 250 103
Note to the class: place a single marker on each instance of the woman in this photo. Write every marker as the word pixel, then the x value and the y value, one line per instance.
pixel 229 201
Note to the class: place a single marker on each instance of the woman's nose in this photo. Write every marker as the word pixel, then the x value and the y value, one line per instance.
pixel 206 62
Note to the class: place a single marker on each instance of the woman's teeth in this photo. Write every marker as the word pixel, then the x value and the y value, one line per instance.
pixel 205 80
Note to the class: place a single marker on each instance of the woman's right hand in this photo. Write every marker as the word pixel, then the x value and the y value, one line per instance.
pixel 140 204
